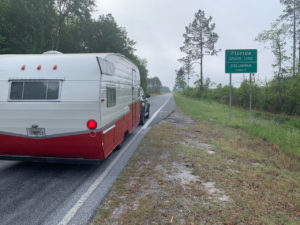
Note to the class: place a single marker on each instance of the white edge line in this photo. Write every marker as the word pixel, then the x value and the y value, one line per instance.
pixel 155 114
pixel 72 212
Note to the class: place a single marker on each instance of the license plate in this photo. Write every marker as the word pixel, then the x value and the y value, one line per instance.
pixel 36 132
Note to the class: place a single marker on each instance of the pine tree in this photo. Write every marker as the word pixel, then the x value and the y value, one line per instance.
pixel 187 67
pixel 276 36
pixel 180 83
pixel 200 40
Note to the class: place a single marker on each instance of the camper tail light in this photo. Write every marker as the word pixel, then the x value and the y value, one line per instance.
pixel 23 67
pixel 91 124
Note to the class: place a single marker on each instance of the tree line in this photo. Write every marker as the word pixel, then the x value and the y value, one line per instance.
pixel 155 86
pixel 281 94
pixel 35 26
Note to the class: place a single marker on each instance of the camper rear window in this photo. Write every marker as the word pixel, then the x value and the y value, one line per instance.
pixel 34 90
pixel 111 95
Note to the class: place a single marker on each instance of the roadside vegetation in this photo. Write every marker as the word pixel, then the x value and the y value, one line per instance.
pixel 281 98
pixel 280 130
pixel 199 170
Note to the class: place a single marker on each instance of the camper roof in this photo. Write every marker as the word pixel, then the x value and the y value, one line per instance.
pixel 51 66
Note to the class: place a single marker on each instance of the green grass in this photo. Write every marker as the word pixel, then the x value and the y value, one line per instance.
pixel 284 133
pixel 262 186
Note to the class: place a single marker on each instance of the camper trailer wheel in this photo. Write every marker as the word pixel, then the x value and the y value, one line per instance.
pixel 119 146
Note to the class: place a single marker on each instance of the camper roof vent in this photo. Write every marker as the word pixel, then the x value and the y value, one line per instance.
pixel 52 52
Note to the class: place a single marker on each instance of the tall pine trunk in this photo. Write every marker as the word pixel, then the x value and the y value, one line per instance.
pixel 201 70
pixel 294 38
pixel 298 72
pixel 201 62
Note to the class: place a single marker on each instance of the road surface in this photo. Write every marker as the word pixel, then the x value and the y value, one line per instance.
pixel 39 193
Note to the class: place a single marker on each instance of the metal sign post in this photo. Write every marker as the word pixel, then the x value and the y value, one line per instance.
pixel 230 94
pixel 250 119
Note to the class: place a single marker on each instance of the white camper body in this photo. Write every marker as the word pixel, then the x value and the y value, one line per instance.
pixel 48 103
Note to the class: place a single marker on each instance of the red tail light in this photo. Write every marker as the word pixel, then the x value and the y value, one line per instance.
pixel 39 67
pixel 91 124
pixel 23 67
pixel 55 67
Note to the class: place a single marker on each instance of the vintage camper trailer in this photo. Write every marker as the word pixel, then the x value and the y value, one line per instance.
pixel 66 106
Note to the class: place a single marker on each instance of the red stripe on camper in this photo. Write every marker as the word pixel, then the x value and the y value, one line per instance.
pixel 74 146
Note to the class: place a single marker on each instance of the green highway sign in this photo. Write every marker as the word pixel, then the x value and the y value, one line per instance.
pixel 241 61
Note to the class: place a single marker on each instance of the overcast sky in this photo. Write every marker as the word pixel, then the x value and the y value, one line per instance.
pixel 157 27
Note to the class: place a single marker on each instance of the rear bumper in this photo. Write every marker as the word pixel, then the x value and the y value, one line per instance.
pixel 79 146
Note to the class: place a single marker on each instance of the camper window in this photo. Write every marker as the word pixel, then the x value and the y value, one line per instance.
pixel 111 94
pixel 34 90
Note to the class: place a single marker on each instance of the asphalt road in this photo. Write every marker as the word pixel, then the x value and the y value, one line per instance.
pixel 39 193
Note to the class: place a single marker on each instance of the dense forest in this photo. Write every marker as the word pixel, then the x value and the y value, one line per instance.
pixel 35 26
pixel 281 94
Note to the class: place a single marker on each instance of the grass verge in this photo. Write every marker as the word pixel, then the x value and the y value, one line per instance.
pixel 279 130
pixel 197 172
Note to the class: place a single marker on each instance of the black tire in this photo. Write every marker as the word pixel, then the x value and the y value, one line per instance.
pixel 148 112
pixel 119 146
pixel 142 118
